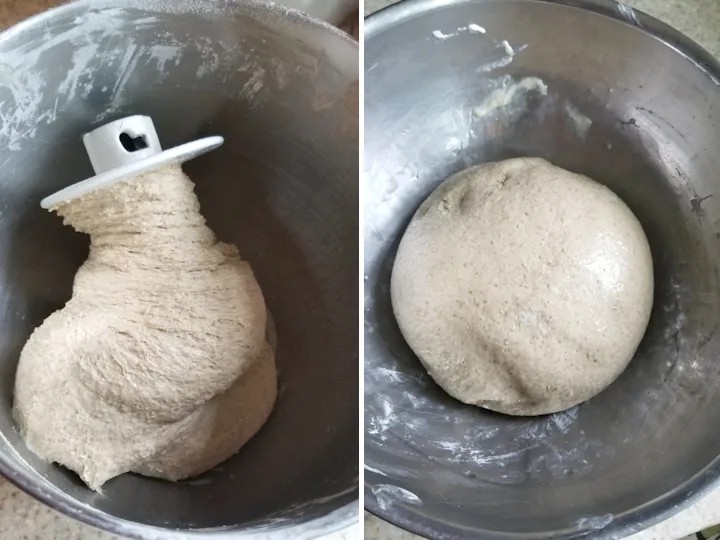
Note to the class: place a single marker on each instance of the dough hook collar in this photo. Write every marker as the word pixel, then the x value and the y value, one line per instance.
pixel 125 148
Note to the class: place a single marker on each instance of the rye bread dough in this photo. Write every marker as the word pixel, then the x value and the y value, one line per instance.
pixel 159 362
pixel 523 288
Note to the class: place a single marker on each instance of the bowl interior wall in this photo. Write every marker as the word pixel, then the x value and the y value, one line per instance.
pixel 653 138
pixel 283 188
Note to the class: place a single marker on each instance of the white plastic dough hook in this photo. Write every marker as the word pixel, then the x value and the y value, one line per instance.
pixel 125 148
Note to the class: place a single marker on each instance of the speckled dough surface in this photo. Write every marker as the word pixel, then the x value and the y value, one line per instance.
pixel 523 288
pixel 159 362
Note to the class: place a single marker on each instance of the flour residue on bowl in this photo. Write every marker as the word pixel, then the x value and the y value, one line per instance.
pixel 254 84
pixel 594 523
pixel 565 419
pixel 164 54
pixel 32 93
pixel 580 123
pixel 627 13
pixel 374 470
pixel 81 59
pixel 439 34
pixel 22 82
pixel 314 502
pixel 471 28
pixel 501 54
pixel 507 94
pixel 507 54
pixel 403 405
pixel 380 423
pixel 386 495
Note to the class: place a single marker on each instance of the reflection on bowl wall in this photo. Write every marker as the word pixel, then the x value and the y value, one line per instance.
pixel 281 89
pixel 630 103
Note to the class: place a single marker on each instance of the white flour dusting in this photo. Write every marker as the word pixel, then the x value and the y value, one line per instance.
pixel 507 51
pixel 255 84
pixel 81 59
pixel 127 66
pixel 580 122
pixel 314 502
pixel 471 28
pixel 627 13
pixel 564 420
pixel 371 469
pixel 20 106
pixel 21 79
pixel 594 523
pixel 27 100
pixel 163 54
pixel 508 54
pixel 508 48
pixel 387 495
pixel 211 59
pixel 281 74
pixel 507 93
pixel 382 422
pixel 678 322
pixel 406 418
pixel 439 35
pixel 391 374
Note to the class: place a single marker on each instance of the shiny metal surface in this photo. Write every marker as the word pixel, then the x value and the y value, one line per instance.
pixel 282 89
pixel 632 104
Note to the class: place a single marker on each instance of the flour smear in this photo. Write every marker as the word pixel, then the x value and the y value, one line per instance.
pixel 95 56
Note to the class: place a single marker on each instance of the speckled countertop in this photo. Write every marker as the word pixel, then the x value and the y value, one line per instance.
pixel 699 19
pixel 21 516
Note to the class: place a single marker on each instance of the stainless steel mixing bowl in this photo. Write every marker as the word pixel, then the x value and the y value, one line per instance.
pixel 634 105
pixel 282 89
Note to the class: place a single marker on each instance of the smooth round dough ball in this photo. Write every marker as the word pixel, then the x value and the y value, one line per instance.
pixel 523 288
